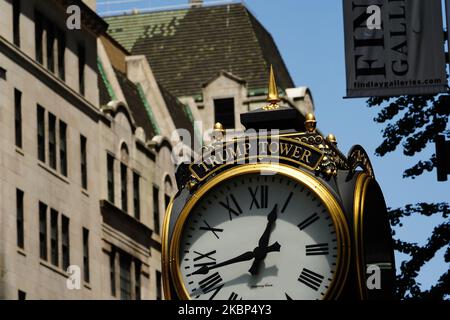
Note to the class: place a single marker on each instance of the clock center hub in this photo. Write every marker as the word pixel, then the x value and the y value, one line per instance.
pixel 260 253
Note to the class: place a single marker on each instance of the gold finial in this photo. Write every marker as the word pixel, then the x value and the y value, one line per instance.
pixel 219 127
pixel 331 138
pixel 310 123
pixel 218 132
pixel 272 96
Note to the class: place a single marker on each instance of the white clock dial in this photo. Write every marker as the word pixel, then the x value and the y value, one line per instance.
pixel 258 237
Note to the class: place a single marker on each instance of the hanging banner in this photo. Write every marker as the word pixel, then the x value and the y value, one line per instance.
pixel 394 47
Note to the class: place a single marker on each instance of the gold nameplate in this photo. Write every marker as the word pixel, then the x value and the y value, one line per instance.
pixel 256 150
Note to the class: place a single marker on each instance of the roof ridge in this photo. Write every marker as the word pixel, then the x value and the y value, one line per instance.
pixel 213 4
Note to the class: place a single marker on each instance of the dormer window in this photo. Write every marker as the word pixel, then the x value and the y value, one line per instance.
pixel 224 112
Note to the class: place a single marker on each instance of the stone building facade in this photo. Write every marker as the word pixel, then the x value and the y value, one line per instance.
pixel 86 137
pixel 88 134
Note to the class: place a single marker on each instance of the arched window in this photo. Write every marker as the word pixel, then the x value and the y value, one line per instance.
pixel 124 154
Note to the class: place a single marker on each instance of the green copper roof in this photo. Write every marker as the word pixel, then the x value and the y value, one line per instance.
pixel 128 29
pixel 150 114
pixel 186 48
pixel 106 83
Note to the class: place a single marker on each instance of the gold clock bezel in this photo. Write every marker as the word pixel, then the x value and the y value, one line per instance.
pixel 165 252
pixel 362 182
pixel 308 180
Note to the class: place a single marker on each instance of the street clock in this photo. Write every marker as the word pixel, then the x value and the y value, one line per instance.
pixel 278 216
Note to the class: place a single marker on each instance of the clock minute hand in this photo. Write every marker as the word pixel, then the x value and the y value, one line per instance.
pixel 271 218
pixel 247 256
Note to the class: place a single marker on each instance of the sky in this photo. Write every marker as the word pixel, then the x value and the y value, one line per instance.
pixel 309 35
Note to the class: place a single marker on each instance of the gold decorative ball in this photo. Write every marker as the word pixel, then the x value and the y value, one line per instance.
pixel 310 117
pixel 218 127
pixel 331 138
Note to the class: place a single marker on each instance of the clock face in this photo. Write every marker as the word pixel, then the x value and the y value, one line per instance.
pixel 258 237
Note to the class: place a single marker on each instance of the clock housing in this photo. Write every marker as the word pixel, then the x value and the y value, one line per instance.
pixel 302 262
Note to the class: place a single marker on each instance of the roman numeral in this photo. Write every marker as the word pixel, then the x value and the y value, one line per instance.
pixel 210 261
pixel 234 296
pixel 317 249
pixel 308 221
pixel 287 202
pixel 310 279
pixel 236 210
pixel 209 228
pixel 211 283
pixel 259 199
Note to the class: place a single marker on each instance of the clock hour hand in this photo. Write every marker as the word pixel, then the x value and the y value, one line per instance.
pixel 247 256
pixel 264 241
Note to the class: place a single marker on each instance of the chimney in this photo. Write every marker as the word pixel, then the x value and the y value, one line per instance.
pixel 195 3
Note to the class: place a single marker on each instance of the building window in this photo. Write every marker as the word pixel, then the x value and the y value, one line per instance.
pixel 156 208
pixel 63 147
pixel 20 219
pixel 128 276
pixel 83 153
pixel 61 55
pixel 52 140
pixel 112 271
pixel 224 112
pixel 136 196
pixel 54 237
pixel 21 295
pixel 158 286
pixel 137 280
pixel 43 231
pixel 65 242
pixel 18 117
pixel 125 277
pixel 124 187
pixel 41 133
pixel 86 275
pixel 54 43
pixel 16 22
pixel 50 46
pixel 38 36
pixel 110 173
pixel 81 68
